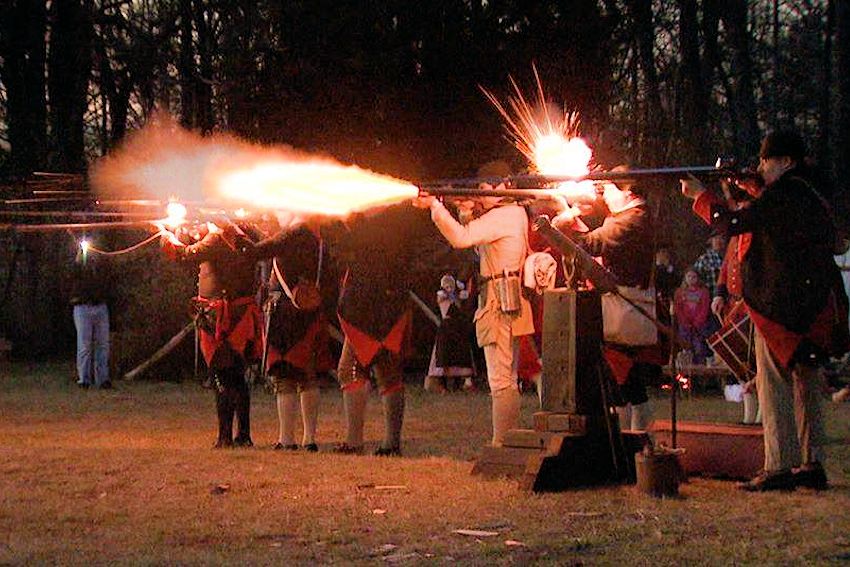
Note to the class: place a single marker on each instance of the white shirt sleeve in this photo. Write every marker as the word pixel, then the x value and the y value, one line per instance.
pixel 482 230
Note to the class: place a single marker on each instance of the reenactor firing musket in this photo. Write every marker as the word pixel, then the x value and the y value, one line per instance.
pixel 538 186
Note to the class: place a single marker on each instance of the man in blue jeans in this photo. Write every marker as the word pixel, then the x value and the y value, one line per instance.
pixel 90 291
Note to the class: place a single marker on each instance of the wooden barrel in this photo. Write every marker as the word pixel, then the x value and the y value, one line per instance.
pixel 658 474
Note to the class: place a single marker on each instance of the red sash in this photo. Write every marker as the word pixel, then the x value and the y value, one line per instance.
pixel 239 334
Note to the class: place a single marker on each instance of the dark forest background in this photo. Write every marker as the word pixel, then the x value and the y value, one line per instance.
pixel 392 86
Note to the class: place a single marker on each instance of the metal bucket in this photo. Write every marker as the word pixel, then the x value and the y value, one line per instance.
pixel 658 474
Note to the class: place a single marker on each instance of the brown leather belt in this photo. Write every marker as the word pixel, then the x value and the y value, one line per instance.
pixel 485 279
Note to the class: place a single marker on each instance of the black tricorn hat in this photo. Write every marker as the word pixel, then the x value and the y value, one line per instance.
pixel 783 143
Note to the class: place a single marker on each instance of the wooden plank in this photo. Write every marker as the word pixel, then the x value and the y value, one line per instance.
pixel 559 422
pixel 527 438
pixel 558 379
pixel 708 427
pixel 532 464
pixel 556 442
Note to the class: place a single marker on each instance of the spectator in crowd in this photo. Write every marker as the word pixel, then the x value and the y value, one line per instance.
pixel 451 357
pixel 708 264
pixel 667 281
pixel 90 294
pixel 691 308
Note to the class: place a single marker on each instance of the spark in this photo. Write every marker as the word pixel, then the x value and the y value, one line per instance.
pixel 547 135
pixel 175 214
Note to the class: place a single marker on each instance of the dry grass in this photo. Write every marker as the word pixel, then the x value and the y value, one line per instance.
pixel 128 476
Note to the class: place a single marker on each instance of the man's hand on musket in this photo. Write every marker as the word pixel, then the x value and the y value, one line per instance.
pixel 566 219
pixel 752 185
pixel 541 222
pixel 167 236
pixel 692 187
pixel 423 201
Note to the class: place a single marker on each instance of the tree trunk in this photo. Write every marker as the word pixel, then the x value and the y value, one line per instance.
pixel 206 48
pixel 735 20
pixel 710 31
pixel 824 147
pixel 650 149
pixel 186 67
pixel 776 60
pixel 71 30
pixel 692 97
pixel 22 50
pixel 842 25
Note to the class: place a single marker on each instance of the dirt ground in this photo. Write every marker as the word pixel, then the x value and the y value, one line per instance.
pixel 128 476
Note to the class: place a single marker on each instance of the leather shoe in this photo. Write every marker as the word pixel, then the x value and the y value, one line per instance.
pixel 767 481
pixel 346 449
pixel 811 476
pixel 388 452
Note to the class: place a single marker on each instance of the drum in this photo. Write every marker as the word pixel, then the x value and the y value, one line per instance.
pixel 733 343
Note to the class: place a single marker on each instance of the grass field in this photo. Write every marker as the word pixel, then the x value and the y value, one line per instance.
pixel 128 476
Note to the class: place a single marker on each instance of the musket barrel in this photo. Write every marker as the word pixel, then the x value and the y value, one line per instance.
pixel 74 226
pixel 536 180
pixel 454 191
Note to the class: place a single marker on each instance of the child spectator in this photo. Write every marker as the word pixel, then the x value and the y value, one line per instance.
pixel 451 358
pixel 691 307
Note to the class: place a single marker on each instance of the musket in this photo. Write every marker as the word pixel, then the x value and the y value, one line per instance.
pixel 540 185
pixel 602 279
pixel 473 192
pixel 73 214
pixel 75 226
pixel 268 310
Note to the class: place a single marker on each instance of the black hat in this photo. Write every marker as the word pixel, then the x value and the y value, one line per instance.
pixel 783 143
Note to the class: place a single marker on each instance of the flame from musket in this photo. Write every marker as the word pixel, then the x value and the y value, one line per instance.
pixel 164 160
pixel 547 136
pixel 175 214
